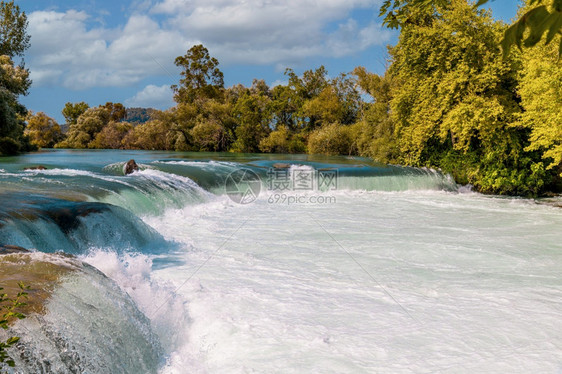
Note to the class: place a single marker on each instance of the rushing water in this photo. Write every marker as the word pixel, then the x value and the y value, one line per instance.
pixel 382 269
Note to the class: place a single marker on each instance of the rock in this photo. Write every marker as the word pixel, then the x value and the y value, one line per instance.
pixel 130 167
pixel 9 249
pixel 40 271
pixel 281 166
pixel 38 167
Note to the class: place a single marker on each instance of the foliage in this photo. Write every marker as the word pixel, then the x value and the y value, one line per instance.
pixel 117 111
pixel 214 128
pixel 283 140
pixel 72 112
pixel 541 98
pixel 42 130
pixel 376 136
pixel 139 115
pixel 540 17
pixel 456 96
pixel 9 310
pixel 448 100
pixel 400 13
pixel 201 77
pixel 13 30
pixel 84 131
pixel 332 139
pixel 14 81
pixel 112 136
pixel 253 114
pixel 151 135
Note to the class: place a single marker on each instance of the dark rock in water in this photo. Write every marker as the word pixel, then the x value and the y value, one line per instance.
pixel 10 249
pixel 67 217
pixel 130 167
pixel 38 167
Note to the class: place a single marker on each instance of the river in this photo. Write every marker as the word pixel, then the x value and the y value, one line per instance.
pixel 284 264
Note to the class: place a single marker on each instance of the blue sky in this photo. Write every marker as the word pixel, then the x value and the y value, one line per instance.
pixel 123 51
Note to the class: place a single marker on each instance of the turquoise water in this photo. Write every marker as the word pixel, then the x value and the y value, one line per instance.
pixel 383 269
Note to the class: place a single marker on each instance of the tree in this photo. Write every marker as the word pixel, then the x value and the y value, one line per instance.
pixel 252 112
pixel 13 30
pixel 541 98
pixel 42 130
pixel 305 88
pixel 71 112
pixel 112 136
pixel 283 140
pixel 117 111
pixel 332 139
pixel 151 135
pixel 214 128
pixel 455 104
pixel 377 137
pixel 201 77
pixel 14 81
pixel 83 132
pixel 541 16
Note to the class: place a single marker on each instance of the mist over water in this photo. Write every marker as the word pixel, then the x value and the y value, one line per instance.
pixel 395 270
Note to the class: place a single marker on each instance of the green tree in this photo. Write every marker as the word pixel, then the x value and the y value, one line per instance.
pixel 283 140
pixel 214 128
pixel 112 136
pixel 332 139
pixel 541 98
pixel 540 17
pixel 253 114
pixel 151 135
pixel 84 131
pixel 201 77
pixel 13 30
pixel 117 112
pixel 455 104
pixel 71 111
pixel 14 81
pixel 42 130
pixel 307 87
pixel 377 137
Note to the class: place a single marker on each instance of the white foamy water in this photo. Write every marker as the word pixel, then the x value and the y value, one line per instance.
pixel 374 282
pixel 421 281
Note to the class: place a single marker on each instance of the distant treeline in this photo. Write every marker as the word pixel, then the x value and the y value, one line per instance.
pixel 448 100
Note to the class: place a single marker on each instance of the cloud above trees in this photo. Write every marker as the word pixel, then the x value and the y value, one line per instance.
pixel 72 50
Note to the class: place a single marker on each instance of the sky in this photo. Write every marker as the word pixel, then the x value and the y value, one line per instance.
pixel 123 51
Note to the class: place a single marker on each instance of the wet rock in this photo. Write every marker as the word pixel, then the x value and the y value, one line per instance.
pixel 130 167
pixel 9 249
pixel 281 166
pixel 38 167
pixel 40 271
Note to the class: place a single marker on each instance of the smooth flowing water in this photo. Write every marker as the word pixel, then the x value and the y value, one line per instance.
pixel 336 265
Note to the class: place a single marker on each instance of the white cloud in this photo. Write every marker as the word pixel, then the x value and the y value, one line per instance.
pixel 68 49
pixel 274 32
pixel 158 97
pixel 64 51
